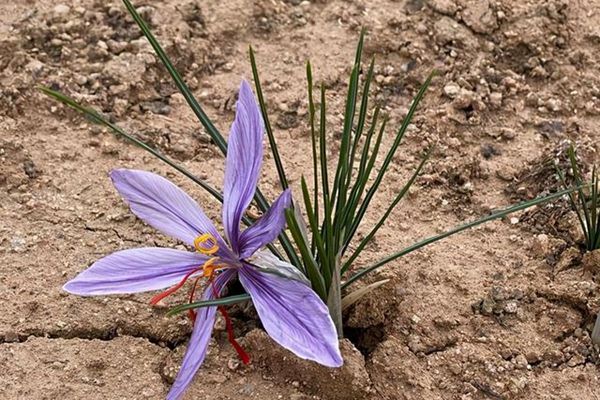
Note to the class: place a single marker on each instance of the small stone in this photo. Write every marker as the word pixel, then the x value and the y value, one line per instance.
pixel 487 306
pixel 568 258
pixel 508 133
pixel 11 337
pixel 451 90
pixel 591 261
pixel 233 364
pixel 446 7
pixel 514 220
pixel 464 99
pixel 18 244
pixel 506 174
pixel 540 245
pixel 61 9
pixel 478 16
pixel 496 99
pixel 455 368
pixel 533 357
pixel 521 361
pixel 511 307
pixel 576 360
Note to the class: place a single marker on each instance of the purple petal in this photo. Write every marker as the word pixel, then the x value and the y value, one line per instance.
pixel 163 205
pixel 135 270
pixel 244 159
pixel 293 315
pixel 198 344
pixel 266 229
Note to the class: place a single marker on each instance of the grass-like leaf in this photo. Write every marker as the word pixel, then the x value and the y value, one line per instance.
pixel 312 269
pixel 358 294
pixel 98 118
pixel 313 144
pixel 263 108
pixel 179 82
pixel 223 301
pixel 585 206
pixel 387 213
pixel 460 228
pixel 388 159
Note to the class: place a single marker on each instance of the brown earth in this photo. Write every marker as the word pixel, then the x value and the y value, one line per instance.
pixel 503 311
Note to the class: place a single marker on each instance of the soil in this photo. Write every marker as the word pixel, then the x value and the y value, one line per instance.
pixel 503 311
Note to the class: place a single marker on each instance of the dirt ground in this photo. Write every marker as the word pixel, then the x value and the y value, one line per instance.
pixel 503 311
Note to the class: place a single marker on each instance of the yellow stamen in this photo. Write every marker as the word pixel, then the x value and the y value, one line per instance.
pixel 202 243
pixel 210 267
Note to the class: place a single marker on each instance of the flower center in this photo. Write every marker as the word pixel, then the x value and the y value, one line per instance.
pixel 206 244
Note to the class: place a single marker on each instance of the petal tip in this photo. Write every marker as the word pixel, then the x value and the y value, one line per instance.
pixel 245 86
pixel 71 287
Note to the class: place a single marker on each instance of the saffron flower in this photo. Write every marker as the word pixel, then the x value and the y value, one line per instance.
pixel 291 313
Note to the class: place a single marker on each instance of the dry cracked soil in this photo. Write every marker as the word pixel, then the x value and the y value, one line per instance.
pixel 503 311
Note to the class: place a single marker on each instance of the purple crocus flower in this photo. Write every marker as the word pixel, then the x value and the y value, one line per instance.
pixel 291 313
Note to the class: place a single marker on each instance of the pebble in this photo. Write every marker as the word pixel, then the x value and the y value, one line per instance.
pixel 451 90
pixel 511 307
pixel 61 9
pixel 496 99
pixel 11 337
pixel 521 361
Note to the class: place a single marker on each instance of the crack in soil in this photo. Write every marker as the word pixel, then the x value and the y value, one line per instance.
pixel 95 334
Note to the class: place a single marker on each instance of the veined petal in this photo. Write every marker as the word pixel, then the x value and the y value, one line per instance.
pixel 163 205
pixel 267 262
pixel 135 270
pixel 198 344
pixel 293 315
pixel 267 228
pixel 244 159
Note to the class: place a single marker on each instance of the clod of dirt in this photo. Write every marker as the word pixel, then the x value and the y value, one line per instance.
pixel 569 258
pixel 450 32
pixel 30 169
pixel 479 16
pixel 591 261
pixel 351 381
pixel 446 7
pixel 499 302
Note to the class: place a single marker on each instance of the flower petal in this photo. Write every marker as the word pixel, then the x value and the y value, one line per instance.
pixel 267 228
pixel 269 263
pixel 198 344
pixel 293 315
pixel 163 205
pixel 244 159
pixel 135 270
